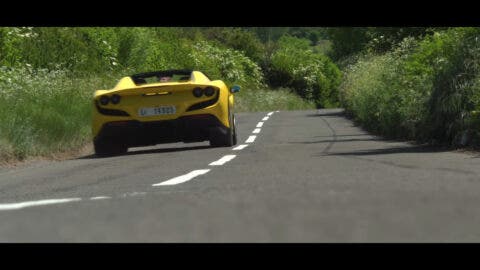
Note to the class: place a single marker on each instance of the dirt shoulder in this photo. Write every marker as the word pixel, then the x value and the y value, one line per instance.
pixel 85 150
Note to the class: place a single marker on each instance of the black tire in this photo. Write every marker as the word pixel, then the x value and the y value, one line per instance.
pixel 234 131
pixel 224 137
pixel 109 148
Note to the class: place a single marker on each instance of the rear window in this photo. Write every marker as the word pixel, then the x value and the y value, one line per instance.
pixel 162 77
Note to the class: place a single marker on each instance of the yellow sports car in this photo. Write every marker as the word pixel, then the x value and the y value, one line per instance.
pixel 163 107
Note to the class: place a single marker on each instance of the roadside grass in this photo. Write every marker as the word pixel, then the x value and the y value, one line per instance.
pixel 426 90
pixel 254 100
pixel 48 76
pixel 43 113
pixel 46 113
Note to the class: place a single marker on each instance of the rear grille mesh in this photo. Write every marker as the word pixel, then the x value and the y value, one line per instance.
pixel 110 111
pixel 204 104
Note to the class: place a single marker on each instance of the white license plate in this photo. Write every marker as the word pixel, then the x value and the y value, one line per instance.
pixel 160 110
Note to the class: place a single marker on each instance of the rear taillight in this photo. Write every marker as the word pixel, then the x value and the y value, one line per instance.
pixel 198 92
pixel 104 100
pixel 115 99
pixel 209 91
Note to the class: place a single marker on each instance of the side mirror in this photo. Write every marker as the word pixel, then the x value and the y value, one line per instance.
pixel 235 89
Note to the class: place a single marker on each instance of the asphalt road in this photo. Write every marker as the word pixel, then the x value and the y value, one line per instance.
pixel 307 176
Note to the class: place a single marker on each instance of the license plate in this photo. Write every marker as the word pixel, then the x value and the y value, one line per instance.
pixel 160 110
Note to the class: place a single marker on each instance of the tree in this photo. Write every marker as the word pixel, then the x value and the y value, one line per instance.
pixel 347 41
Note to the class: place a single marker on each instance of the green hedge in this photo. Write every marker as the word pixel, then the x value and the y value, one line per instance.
pixel 43 112
pixel 312 75
pixel 48 76
pixel 424 89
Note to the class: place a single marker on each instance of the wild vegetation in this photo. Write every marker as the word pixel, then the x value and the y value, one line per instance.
pixel 48 76
pixel 422 87
pixel 412 83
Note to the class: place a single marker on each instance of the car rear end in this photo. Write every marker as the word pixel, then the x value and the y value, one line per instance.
pixel 159 113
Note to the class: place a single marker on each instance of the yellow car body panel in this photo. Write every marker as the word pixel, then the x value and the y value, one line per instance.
pixel 178 94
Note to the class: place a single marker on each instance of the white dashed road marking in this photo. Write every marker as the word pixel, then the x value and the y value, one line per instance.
pixel 251 139
pixel 182 178
pixel 240 147
pixel 15 206
pixel 131 194
pixel 100 198
pixel 174 181
pixel 223 160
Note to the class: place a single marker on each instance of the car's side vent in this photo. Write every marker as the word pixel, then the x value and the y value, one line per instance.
pixel 110 111
pixel 204 104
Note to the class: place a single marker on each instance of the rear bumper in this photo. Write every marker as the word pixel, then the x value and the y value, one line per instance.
pixel 192 128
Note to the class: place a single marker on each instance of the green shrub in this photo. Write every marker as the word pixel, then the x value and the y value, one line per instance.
pixel 254 100
pixel 360 93
pixel 48 75
pixel 237 39
pixel 313 76
pixel 424 89
pixel 148 49
pixel 226 64
pixel 43 111
pixel 10 40
pixel 454 84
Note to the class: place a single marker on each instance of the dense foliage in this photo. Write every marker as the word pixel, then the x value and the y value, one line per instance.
pixel 412 82
pixel 313 76
pixel 426 88
pixel 48 75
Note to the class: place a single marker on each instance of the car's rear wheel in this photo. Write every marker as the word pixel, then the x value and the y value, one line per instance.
pixel 234 131
pixel 109 148
pixel 224 137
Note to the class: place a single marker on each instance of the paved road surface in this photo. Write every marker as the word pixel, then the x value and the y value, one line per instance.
pixel 307 176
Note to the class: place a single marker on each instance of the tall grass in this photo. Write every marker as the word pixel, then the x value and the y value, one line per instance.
pixel 48 76
pixel 313 76
pixel 254 100
pixel 44 112
pixel 425 89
